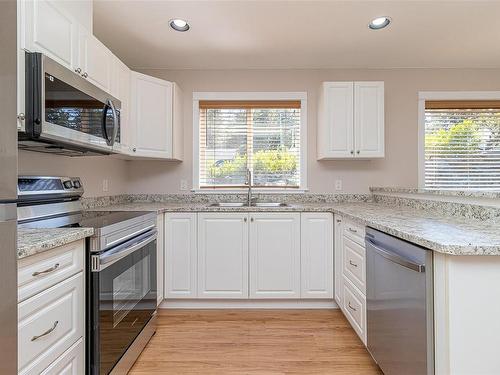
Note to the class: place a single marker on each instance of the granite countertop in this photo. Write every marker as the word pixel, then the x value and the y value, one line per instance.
pixel 430 229
pixel 446 193
pixel 34 241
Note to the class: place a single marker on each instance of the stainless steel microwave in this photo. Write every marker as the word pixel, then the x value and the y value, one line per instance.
pixel 65 113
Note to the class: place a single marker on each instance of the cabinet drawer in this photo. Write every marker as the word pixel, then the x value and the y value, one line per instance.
pixel 354 231
pixel 355 309
pixel 41 271
pixel 70 363
pixel 49 323
pixel 354 267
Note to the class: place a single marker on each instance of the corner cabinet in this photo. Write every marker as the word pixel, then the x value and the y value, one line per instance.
pixel 351 120
pixel 155 118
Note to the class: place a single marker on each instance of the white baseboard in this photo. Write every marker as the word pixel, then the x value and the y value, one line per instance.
pixel 248 304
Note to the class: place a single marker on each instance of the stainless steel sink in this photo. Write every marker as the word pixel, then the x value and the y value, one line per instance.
pixel 243 204
pixel 227 204
pixel 269 204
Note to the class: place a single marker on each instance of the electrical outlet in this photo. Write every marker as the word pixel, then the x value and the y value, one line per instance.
pixel 184 185
pixel 338 185
pixel 105 185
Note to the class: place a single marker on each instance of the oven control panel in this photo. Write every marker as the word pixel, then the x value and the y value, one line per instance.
pixel 47 185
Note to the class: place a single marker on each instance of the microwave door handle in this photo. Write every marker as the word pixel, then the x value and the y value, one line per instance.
pixel 397 258
pixel 115 121
pixel 107 260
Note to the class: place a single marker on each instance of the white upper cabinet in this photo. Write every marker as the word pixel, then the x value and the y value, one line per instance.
pixel 155 118
pixel 120 89
pixel 316 252
pixel 274 255
pixel 223 255
pixel 369 119
pixel 351 120
pixel 48 28
pixel 335 120
pixel 95 60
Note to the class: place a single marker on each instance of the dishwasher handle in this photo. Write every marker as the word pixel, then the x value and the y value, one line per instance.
pixel 397 258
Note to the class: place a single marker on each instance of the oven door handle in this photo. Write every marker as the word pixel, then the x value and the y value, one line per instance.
pixel 100 262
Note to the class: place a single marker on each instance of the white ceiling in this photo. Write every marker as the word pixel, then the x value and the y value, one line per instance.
pixel 301 34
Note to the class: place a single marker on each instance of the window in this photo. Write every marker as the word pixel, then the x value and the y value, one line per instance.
pixel 462 145
pixel 263 136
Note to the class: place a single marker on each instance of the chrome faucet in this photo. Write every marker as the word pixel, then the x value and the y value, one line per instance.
pixel 249 184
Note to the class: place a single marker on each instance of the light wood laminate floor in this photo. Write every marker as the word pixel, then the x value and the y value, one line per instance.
pixel 254 342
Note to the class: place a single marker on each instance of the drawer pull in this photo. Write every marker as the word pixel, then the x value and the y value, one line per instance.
pixel 352 264
pixel 352 308
pixel 352 230
pixel 48 270
pixel 46 332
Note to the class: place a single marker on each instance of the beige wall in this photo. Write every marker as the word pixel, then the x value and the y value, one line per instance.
pixel 398 168
pixel 92 170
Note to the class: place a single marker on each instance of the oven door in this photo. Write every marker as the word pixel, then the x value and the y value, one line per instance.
pixel 121 299
pixel 64 108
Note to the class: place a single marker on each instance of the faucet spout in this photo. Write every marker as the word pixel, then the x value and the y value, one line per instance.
pixel 249 184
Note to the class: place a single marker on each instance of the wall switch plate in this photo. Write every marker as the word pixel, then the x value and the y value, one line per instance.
pixel 184 185
pixel 105 185
pixel 338 185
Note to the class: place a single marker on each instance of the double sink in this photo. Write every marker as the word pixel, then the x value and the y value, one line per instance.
pixel 253 204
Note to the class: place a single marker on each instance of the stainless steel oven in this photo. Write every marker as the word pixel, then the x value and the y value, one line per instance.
pixel 121 304
pixel 65 113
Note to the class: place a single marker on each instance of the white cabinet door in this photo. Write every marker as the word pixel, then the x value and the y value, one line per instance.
pixel 339 287
pixel 369 119
pixel 274 255
pixel 316 254
pixel 335 127
pixel 120 88
pixel 151 116
pixel 48 28
pixel 160 256
pixel 95 60
pixel 222 255
pixel 180 255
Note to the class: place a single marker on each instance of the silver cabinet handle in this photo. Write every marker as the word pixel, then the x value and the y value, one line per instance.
pixel 78 70
pixel 352 152
pixel 48 270
pixel 134 149
pixel 85 75
pixel 352 308
pixel 352 264
pixel 251 219
pixel 21 116
pixel 352 230
pixel 46 332
pixel 245 219
pixel 357 152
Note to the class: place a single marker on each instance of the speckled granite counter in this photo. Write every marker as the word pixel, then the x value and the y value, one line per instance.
pixel 34 241
pixel 445 234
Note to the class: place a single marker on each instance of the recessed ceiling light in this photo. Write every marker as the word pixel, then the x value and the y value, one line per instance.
pixel 179 24
pixel 379 23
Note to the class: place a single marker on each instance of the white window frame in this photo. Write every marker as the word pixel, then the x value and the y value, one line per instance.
pixel 241 96
pixel 424 96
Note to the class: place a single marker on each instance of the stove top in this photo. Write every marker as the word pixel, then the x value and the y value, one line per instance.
pixel 104 219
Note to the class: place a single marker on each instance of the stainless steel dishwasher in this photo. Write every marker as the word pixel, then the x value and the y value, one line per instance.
pixel 399 302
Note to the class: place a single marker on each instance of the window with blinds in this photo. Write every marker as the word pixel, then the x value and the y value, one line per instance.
pixel 260 136
pixel 462 145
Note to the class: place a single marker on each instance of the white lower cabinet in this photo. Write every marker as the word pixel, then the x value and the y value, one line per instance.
pixel 222 255
pixel 274 255
pixel 180 255
pixel 70 363
pixel 316 252
pixel 160 254
pixel 350 273
pixel 49 323
pixel 241 255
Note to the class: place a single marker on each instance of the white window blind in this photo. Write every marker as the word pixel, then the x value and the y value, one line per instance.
pixel 462 145
pixel 262 136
